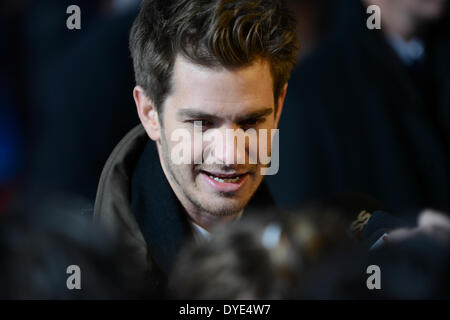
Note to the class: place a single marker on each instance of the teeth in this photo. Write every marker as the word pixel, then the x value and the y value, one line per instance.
pixel 233 180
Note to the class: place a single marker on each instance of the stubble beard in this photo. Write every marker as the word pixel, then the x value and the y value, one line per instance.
pixel 190 196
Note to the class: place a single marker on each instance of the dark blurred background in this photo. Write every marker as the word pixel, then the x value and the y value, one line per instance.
pixel 66 97
pixel 367 110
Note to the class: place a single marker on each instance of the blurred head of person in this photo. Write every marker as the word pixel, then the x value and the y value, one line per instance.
pixel 36 250
pixel 260 257
pixel 306 255
pixel 415 268
pixel 422 9
pixel 223 65
pixel 406 17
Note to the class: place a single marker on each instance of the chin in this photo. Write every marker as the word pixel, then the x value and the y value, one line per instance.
pixel 225 206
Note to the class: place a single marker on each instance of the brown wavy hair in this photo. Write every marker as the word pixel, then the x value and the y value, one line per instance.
pixel 213 33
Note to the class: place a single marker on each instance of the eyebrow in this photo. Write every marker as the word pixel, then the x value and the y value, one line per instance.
pixel 198 114
pixel 256 115
pixel 195 114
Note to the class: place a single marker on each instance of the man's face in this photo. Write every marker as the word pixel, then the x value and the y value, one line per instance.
pixel 220 99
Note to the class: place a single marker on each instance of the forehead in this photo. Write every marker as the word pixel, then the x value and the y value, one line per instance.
pixel 221 90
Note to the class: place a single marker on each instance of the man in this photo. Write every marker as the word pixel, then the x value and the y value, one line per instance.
pixel 221 64
pixel 371 110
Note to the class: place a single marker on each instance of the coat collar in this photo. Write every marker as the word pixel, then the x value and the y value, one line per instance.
pixel 157 210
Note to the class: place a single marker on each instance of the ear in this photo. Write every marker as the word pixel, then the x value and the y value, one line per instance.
pixel 280 104
pixel 147 113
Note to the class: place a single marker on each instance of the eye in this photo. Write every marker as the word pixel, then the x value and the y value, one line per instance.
pixel 203 122
pixel 252 123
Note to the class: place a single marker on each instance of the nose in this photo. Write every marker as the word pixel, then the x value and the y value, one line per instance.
pixel 235 148
pixel 229 147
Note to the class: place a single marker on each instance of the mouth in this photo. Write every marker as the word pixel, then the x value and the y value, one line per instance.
pixel 225 177
pixel 225 182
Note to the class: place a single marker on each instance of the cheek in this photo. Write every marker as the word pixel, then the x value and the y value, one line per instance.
pixel 266 136
pixel 181 145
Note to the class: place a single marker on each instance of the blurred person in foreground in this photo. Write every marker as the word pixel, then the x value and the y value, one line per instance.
pixel 36 249
pixel 223 65
pixel 264 256
pixel 370 110
pixel 414 265
pixel 308 255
